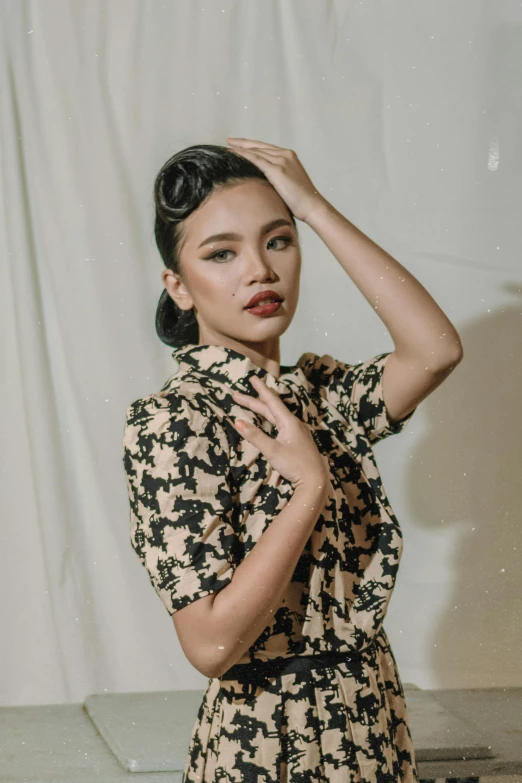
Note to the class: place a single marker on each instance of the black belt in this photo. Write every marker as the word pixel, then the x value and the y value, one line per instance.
pixel 256 672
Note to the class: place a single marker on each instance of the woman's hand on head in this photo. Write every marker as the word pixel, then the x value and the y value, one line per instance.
pixel 284 171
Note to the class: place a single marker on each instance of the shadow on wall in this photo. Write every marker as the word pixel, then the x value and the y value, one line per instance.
pixel 473 451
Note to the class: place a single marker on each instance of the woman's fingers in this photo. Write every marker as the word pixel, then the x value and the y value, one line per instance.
pixel 254 404
pixel 267 404
pixel 269 396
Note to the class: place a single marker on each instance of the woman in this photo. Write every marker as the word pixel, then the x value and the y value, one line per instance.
pixel 256 501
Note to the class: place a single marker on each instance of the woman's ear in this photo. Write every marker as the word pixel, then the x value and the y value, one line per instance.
pixel 176 289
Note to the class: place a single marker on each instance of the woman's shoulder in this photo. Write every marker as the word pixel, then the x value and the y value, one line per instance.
pixel 177 404
pixel 318 367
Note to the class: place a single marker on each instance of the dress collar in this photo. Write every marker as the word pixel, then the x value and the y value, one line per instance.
pixel 228 366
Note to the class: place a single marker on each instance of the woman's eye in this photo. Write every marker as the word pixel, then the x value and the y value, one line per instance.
pixel 216 254
pixel 287 241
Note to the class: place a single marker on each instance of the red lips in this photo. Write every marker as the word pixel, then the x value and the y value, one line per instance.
pixel 262 295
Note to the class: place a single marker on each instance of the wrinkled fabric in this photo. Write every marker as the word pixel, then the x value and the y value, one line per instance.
pixel 201 497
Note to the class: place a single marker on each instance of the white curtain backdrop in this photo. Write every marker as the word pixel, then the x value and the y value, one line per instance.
pixel 408 118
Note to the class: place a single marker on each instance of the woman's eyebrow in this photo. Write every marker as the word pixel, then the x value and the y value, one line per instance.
pixel 230 235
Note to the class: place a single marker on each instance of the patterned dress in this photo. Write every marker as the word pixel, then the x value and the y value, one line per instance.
pixel 201 497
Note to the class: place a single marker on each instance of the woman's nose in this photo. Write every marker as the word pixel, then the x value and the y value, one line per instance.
pixel 259 266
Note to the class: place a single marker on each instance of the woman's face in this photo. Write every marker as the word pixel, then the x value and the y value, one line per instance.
pixel 222 275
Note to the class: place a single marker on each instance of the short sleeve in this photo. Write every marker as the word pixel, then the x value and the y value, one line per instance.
pixel 176 464
pixel 356 390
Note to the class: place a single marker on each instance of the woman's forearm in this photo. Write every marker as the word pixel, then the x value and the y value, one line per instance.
pixel 242 610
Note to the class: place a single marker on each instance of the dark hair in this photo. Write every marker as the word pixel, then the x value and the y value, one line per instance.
pixel 181 186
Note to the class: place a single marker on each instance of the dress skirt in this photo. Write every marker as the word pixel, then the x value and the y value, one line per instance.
pixel 337 724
